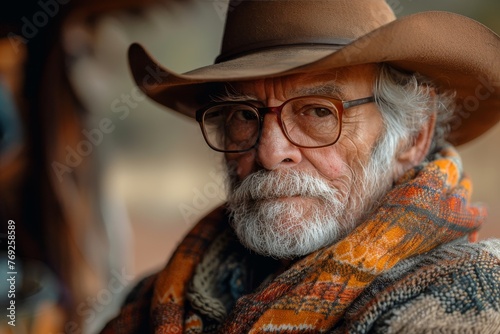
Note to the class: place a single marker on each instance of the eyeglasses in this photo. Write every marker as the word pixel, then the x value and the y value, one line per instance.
pixel 307 122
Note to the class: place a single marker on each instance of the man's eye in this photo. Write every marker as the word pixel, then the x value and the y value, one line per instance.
pixel 212 115
pixel 244 115
pixel 317 112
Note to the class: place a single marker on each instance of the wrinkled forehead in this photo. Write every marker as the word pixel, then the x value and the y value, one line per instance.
pixel 343 83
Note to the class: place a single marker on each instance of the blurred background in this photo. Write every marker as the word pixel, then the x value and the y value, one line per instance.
pixel 102 183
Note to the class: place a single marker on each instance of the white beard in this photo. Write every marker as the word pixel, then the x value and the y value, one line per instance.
pixel 286 214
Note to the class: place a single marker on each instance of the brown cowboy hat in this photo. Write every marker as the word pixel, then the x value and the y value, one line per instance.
pixel 265 38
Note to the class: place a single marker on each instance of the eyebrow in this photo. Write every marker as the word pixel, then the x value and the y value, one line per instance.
pixel 231 95
pixel 328 89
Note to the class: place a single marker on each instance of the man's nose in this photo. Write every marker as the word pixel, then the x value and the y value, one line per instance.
pixel 275 150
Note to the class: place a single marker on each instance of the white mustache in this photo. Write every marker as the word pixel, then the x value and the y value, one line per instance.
pixel 263 185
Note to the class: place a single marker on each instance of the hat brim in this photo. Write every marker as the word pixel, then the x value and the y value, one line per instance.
pixel 456 52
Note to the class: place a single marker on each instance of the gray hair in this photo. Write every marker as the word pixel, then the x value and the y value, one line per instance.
pixel 406 102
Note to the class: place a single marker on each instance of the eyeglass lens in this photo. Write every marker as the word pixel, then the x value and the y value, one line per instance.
pixel 307 122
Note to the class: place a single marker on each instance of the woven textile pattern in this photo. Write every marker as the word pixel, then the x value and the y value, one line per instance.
pixel 454 289
pixel 327 290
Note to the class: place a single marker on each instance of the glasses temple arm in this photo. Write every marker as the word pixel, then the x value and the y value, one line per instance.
pixel 354 103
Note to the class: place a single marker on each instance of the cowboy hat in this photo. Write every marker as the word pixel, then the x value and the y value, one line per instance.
pixel 266 38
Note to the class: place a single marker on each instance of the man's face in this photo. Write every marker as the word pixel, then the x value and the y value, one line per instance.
pixel 273 212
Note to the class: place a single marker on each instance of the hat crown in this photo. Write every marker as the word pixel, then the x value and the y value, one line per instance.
pixel 256 24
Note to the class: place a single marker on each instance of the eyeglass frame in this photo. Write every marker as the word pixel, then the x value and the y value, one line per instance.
pixel 263 111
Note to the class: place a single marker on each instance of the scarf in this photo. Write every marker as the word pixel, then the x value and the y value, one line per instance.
pixel 202 288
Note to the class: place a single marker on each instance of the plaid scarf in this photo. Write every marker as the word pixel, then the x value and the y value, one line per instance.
pixel 206 286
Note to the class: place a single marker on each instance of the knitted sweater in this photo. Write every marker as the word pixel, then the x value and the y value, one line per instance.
pixel 452 289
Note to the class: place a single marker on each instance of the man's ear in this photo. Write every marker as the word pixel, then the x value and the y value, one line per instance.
pixel 418 149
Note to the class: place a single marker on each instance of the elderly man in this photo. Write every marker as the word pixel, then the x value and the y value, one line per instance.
pixel 348 210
